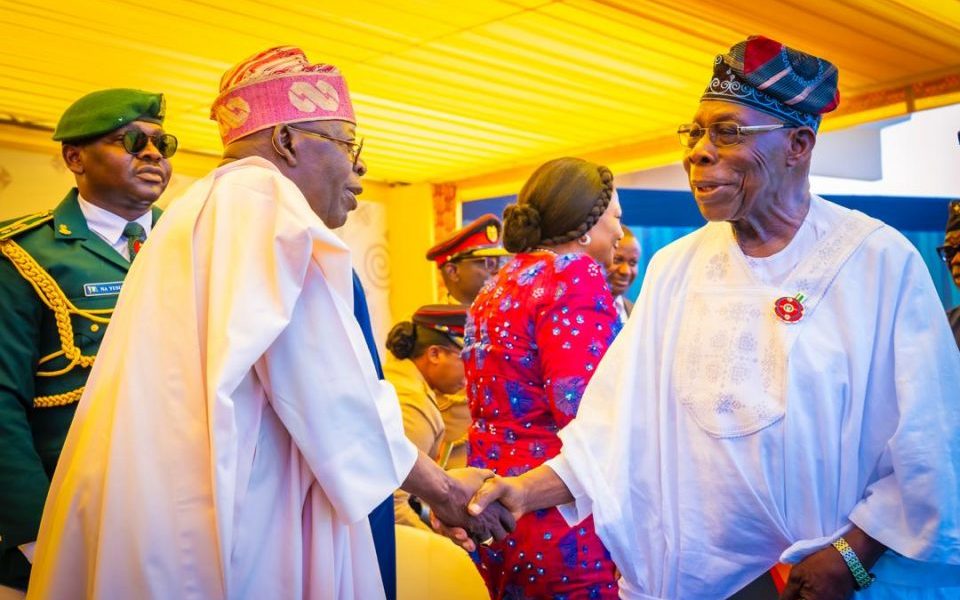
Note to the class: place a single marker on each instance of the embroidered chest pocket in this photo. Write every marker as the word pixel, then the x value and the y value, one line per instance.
pixel 730 367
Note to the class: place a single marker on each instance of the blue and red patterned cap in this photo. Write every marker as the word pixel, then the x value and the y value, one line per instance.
pixel 763 74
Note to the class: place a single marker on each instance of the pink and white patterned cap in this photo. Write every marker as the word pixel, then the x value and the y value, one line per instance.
pixel 276 86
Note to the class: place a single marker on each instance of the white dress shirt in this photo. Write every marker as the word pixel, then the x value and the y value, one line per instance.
pixel 621 308
pixel 109 226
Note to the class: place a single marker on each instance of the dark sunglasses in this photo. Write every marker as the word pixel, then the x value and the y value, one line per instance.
pixel 948 252
pixel 134 141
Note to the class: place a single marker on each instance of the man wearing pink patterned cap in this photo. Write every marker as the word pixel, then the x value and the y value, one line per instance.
pixel 234 444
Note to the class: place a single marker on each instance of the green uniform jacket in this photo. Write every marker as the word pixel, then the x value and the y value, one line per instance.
pixel 88 272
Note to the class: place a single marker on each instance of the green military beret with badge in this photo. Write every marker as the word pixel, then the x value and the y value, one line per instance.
pixel 104 111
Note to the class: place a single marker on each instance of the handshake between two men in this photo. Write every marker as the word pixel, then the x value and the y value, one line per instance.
pixel 472 506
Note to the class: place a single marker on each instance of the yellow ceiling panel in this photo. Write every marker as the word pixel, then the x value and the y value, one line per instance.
pixel 479 91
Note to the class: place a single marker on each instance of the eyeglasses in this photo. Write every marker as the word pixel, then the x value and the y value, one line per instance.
pixel 723 133
pixel 353 148
pixel 491 263
pixel 947 253
pixel 134 141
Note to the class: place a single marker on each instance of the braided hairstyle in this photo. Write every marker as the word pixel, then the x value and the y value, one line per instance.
pixel 406 340
pixel 562 200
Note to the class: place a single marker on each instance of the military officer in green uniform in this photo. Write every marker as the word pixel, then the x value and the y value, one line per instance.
pixel 60 274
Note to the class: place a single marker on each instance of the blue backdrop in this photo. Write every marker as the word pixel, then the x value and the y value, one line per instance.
pixel 658 217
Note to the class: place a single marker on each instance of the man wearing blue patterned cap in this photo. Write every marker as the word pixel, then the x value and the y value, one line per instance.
pixel 60 274
pixel 782 391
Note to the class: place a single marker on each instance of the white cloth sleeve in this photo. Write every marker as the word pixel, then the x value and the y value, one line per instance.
pixel 273 304
pixel 913 507
pixel 581 507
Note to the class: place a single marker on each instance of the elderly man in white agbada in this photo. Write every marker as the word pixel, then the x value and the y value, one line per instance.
pixel 234 436
pixel 786 388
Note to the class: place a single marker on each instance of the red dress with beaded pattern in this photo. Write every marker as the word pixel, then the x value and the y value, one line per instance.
pixel 534 337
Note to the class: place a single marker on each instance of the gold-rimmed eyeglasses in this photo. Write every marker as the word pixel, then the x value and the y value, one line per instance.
pixel 491 264
pixel 723 133
pixel 353 147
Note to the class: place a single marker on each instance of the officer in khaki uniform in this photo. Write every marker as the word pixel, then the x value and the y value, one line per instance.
pixel 467 259
pixel 424 364
pixel 60 274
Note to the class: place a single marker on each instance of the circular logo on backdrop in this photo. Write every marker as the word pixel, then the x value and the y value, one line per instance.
pixel 376 265
pixel 307 97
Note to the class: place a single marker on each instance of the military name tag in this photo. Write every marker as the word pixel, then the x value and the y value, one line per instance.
pixel 102 289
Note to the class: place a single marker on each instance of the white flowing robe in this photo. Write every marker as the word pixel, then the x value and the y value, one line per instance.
pixel 714 439
pixel 233 435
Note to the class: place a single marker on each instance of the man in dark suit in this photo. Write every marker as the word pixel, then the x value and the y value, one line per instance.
pixel 622 271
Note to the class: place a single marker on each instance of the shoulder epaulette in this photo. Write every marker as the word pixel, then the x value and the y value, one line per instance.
pixel 26 223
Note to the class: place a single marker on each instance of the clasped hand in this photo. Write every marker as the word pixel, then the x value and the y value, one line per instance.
pixel 495 522
pixel 492 507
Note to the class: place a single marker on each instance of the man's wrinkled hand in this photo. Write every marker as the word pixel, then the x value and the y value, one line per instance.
pixel 496 493
pixel 452 519
pixel 821 576
pixel 505 490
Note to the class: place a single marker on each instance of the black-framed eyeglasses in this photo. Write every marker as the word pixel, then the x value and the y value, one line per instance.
pixel 947 252
pixel 134 141
pixel 353 147
pixel 723 133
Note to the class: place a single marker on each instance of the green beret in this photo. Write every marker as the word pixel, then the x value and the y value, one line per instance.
pixel 102 112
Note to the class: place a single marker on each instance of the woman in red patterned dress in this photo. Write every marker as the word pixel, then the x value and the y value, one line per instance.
pixel 534 337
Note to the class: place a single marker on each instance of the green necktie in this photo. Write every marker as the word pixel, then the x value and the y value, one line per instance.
pixel 135 237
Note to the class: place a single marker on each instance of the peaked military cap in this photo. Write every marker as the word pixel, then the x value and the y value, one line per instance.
pixel 448 319
pixel 479 238
pixel 953 216
pixel 101 112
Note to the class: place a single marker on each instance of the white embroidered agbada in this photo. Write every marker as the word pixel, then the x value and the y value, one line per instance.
pixel 715 439
pixel 233 436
